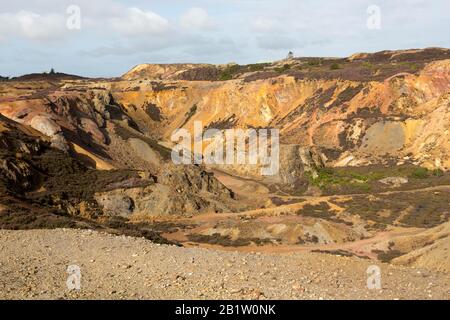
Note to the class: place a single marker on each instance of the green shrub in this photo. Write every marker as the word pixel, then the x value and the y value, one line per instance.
pixel 315 62
pixel 420 173
pixel 367 65
pixel 228 72
pixel 411 65
pixel 257 66
pixel 225 76
pixel 284 68
pixel 335 66
pixel 437 173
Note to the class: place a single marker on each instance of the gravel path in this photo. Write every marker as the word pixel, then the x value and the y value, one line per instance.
pixel 33 265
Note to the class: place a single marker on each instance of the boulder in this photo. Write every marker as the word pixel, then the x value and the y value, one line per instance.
pixel 394 181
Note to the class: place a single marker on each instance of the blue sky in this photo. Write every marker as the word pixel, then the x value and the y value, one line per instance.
pixel 115 35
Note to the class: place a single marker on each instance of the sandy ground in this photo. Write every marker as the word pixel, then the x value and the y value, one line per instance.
pixel 33 265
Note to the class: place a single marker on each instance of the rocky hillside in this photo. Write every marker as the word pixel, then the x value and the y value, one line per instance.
pixel 353 131
pixel 367 109
pixel 385 108
pixel 42 186
pixel 164 71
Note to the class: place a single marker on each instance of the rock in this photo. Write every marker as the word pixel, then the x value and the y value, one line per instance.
pixel 59 142
pixel 115 204
pixel 295 161
pixel 92 130
pixel 394 182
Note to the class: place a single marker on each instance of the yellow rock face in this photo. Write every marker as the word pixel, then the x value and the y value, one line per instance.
pixel 406 115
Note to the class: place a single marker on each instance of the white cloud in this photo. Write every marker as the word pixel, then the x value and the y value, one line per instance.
pixel 196 18
pixel 137 22
pixel 113 36
pixel 261 24
pixel 276 42
pixel 30 25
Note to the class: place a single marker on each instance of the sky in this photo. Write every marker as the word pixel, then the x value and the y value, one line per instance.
pixel 106 38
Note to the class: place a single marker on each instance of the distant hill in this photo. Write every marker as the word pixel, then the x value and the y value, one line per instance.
pixel 162 71
pixel 358 67
pixel 3 78
pixel 47 76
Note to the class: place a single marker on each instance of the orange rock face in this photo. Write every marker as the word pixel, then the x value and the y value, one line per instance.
pixel 375 108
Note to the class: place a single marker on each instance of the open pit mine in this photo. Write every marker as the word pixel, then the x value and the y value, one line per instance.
pixel 362 179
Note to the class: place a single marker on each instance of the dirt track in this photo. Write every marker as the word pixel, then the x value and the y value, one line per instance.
pixel 363 247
